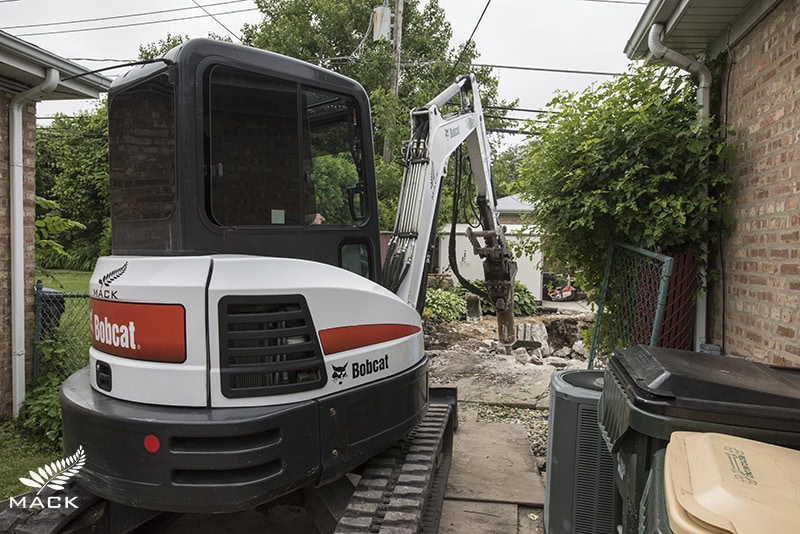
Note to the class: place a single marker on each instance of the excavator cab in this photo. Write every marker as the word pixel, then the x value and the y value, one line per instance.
pixel 222 149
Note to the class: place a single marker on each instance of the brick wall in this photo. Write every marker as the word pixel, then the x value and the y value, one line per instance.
pixel 29 156
pixel 761 289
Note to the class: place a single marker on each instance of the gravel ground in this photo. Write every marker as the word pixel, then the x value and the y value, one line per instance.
pixel 534 421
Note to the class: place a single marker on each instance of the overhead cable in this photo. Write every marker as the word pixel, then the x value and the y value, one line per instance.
pixel 217 21
pixel 134 23
pixel 463 50
pixel 114 17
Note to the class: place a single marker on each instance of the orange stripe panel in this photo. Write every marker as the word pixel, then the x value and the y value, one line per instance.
pixel 344 338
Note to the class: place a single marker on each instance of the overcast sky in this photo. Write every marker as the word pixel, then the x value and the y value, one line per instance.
pixel 583 35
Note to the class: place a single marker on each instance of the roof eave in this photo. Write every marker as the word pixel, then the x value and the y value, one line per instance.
pixel 37 60
pixel 656 12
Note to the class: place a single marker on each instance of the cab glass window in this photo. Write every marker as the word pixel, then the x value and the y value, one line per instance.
pixel 141 133
pixel 278 153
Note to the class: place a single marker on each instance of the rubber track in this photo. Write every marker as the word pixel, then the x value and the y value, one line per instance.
pixel 394 489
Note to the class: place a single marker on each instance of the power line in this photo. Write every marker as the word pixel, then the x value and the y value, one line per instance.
pixel 514 132
pixel 99 59
pixel 114 17
pixel 134 23
pixel 543 69
pixel 512 67
pixel 217 21
pixel 463 50
pixel 525 110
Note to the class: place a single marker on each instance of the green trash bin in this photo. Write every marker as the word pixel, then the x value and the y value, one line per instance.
pixel 653 515
pixel 650 392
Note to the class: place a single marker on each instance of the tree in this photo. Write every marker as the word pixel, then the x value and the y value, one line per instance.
pixel 158 49
pixel 49 225
pixel 627 160
pixel 72 170
pixel 505 170
pixel 154 50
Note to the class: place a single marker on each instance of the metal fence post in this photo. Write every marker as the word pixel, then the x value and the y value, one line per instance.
pixel 666 272
pixel 633 299
pixel 599 315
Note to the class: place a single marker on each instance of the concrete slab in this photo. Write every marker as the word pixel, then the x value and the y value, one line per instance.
pixel 492 378
pixel 459 517
pixel 528 391
pixel 492 462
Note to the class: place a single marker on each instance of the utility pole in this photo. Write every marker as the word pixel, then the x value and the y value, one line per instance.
pixel 397 38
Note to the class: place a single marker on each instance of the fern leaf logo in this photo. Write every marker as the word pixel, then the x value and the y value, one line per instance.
pixel 55 475
pixel 107 279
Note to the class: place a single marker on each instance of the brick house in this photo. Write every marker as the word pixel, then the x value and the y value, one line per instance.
pixel 27 74
pixel 754 311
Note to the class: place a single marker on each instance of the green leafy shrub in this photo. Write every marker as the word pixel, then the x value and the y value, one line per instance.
pixel 447 306
pixel 41 411
pixel 626 161
pixel 524 301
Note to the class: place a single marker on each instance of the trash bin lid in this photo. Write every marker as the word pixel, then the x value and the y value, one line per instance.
pixel 716 483
pixel 699 386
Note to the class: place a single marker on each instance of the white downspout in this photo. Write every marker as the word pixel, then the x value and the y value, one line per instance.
pixel 18 288
pixel 703 73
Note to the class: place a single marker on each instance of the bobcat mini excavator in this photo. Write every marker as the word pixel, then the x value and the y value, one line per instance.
pixel 245 341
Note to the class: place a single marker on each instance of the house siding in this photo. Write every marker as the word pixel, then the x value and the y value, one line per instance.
pixel 29 189
pixel 755 310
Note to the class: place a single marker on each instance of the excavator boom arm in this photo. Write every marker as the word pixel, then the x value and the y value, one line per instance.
pixel 435 136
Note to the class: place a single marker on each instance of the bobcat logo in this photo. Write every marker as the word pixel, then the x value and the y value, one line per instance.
pixel 339 373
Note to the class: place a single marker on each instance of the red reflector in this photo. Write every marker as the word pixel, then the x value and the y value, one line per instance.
pixel 151 443
pixel 152 332
pixel 344 338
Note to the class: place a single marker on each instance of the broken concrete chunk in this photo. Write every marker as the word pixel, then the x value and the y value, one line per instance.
pixel 556 361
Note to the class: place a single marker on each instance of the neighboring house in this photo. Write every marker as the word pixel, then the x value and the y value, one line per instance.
pixel 511 210
pixel 754 310
pixel 27 74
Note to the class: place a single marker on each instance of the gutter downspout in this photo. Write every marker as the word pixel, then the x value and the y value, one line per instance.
pixel 660 51
pixel 18 289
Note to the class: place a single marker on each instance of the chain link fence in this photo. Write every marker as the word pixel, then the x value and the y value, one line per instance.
pixel 61 333
pixel 646 299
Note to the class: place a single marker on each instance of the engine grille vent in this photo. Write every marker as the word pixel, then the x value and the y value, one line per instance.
pixel 268 346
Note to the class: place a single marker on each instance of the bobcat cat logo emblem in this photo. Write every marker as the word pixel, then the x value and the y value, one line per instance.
pixel 339 373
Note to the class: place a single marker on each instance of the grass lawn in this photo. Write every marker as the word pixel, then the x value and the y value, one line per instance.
pixel 18 455
pixel 65 281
